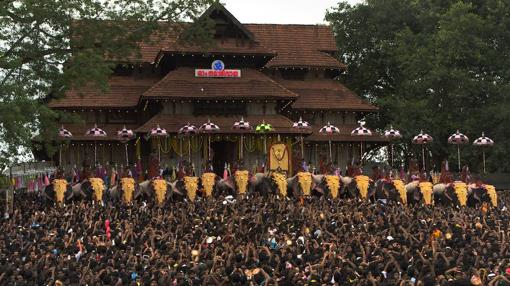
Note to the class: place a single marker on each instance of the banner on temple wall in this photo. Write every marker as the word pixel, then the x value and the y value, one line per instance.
pixel 279 159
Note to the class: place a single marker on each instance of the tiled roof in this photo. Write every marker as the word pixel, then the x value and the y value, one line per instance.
pixel 305 58
pixel 182 83
pixel 344 135
pixel 172 123
pixel 288 38
pixel 326 94
pixel 78 130
pixel 124 92
pixel 283 40
pixel 224 46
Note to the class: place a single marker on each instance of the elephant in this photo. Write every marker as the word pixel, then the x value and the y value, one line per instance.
pixel 360 186
pixel 158 190
pixel 455 193
pixel 302 184
pixel 59 191
pixel 419 192
pixel 391 190
pixel 208 185
pixel 328 185
pixel 479 194
pixel 125 191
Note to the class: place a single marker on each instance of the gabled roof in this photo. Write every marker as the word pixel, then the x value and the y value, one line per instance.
pixel 218 7
pixel 124 92
pixel 325 94
pixel 182 83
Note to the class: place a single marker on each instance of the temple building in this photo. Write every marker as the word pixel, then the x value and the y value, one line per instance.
pixel 262 73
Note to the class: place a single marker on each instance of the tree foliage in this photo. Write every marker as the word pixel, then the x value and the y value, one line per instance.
pixel 48 46
pixel 436 65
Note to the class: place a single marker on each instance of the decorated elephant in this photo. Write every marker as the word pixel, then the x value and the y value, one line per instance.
pixel 360 186
pixel 479 194
pixel 328 185
pixel 158 190
pixel 302 183
pixel 455 193
pixel 392 190
pixel 59 191
pixel 125 191
pixel 419 192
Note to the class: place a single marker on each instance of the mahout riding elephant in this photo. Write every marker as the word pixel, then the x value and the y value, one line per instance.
pixel 455 194
pixel 58 192
pixel 125 191
pixel 419 192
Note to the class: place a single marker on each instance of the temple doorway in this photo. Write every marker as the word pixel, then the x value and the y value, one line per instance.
pixel 222 152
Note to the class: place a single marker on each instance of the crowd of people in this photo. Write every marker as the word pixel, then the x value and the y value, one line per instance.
pixel 254 241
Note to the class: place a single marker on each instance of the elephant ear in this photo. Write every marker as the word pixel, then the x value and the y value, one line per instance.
pixel 174 188
pixel 412 186
pixel 439 188
pixel 228 183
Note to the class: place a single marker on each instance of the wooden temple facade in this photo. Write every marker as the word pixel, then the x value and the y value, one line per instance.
pixel 280 73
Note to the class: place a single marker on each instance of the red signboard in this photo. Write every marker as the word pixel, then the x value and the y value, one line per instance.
pixel 216 73
pixel 218 70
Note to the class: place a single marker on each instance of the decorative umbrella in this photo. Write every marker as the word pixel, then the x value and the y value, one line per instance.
pixel 64 134
pixel 361 131
pixel 264 128
pixel 422 139
pixel 95 132
pixel 302 125
pixel 392 134
pixel 457 139
pixel 243 126
pixel 188 130
pixel 209 128
pixel 329 130
pixel 483 142
pixel 158 132
pixel 125 135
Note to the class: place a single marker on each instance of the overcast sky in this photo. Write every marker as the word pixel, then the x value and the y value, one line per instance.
pixel 281 11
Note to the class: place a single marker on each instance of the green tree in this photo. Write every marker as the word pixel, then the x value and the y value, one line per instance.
pixel 48 46
pixel 433 65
